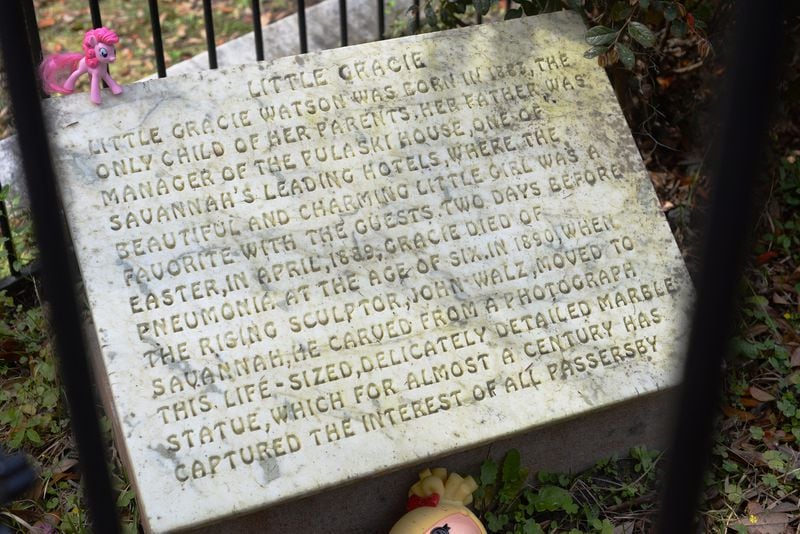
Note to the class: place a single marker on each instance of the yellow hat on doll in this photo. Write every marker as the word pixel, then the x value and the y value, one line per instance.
pixel 437 504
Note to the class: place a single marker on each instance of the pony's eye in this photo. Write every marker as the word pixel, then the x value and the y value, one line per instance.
pixel 104 52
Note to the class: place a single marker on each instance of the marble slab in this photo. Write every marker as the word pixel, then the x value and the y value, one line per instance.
pixel 310 270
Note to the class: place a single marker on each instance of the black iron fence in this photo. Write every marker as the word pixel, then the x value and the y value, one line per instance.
pixel 744 114
pixel 15 274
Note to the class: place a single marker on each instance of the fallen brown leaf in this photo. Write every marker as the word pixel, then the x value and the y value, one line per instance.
pixel 765 257
pixel 43 527
pixel 784 506
pixel 65 465
pixel 779 299
pixel 730 411
pixel 46 22
pixel 757 329
pixel 760 394
pixel 66 476
pixel 665 81
pixel 628 527
pixel 795 361
pixel 767 523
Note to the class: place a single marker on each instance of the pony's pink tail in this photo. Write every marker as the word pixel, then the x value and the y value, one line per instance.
pixel 55 69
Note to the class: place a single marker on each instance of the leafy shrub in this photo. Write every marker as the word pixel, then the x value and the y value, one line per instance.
pixel 620 31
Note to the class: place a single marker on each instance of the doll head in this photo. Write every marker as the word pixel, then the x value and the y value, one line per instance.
pixel 437 505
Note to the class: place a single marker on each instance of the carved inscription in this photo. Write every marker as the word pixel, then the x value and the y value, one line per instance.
pixel 349 246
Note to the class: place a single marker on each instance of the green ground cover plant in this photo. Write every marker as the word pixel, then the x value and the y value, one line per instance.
pixel 616 492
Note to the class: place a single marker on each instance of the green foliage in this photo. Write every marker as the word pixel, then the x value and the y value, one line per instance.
pixel 784 240
pixel 30 404
pixel 756 455
pixel 763 326
pixel 499 489
pixel 733 492
pixel 22 234
pixel 559 502
pixel 33 419
pixel 620 30
pixel 551 499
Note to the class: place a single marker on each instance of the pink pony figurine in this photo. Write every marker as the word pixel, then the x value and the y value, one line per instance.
pixel 98 52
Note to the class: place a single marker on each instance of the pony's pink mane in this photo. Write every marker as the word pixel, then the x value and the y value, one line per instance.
pixel 102 35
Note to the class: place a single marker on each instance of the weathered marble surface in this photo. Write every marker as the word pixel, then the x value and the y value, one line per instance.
pixel 313 269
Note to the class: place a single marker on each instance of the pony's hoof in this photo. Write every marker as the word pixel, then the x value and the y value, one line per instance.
pixel 116 90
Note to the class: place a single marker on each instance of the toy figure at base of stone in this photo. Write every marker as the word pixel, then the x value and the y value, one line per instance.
pixel 60 72
pixel 437 504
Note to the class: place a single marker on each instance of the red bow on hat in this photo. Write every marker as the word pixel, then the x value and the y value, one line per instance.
pixel 415 501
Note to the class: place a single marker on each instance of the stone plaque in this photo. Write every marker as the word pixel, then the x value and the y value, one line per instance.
pixel 315 269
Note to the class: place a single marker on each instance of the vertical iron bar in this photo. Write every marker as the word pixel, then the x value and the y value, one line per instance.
pixel 32 29
pixel 94 8
pixel 416 16
pixel 211 45
pixel 257 30
pixel 381 20
pixel 59 285
pixel 751 78
pixel 5 231
pixel 343 21
pixel 301 25
pixel 158 45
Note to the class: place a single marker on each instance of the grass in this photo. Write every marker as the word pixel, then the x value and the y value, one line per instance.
pixel 62 24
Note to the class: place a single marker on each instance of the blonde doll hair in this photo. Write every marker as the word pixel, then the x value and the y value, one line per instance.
pixel 453 489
